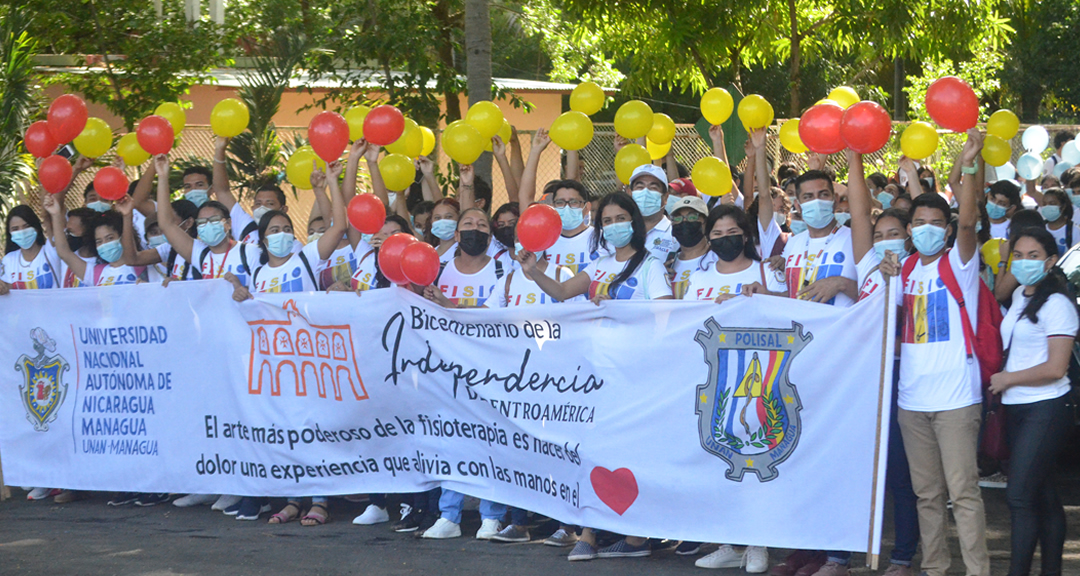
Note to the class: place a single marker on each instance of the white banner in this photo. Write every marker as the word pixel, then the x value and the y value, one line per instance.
pixel 758 421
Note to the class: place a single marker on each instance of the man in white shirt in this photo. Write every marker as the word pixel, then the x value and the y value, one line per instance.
pixel 649 189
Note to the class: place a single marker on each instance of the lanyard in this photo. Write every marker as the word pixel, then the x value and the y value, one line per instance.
pixel 807 271
pixel 221 269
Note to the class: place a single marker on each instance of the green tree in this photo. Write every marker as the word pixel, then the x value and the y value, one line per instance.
pixel 1041 70
pixel 18 99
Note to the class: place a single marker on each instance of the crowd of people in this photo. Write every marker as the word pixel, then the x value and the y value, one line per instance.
pixel 958 245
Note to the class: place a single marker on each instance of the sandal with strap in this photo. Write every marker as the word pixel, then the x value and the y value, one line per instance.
pixel 285 516
pixel 313 518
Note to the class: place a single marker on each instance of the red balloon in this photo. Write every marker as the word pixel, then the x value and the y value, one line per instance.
pixel 952 104
pixel 367 213
pixel 111 183
pixel 538 228
pixel 390 256
pixel 54 174
pixel 67 118
pixel 328 133
pixel 819 128
pixel 865 127
pixel 420 263
pixel 383 125
pixel 155 135
pixel 39 140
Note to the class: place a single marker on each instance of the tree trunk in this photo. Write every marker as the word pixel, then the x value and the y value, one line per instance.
pixel 478 64
pixel 899 106
pixel 1030 99
pixel 441 11
pixel 796 60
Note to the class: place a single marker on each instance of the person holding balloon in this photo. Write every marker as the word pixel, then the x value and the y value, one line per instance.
pixel 503 221
pixel 269 197
pixel 342 262
pixel 78 224
pixel 110 268
pixel 367 275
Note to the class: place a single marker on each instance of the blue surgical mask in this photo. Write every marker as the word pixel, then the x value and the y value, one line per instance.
pixel 571 217
pixel 280 244
pixel 444 229
pixel 672 200
pixel 518 247
pixel 619 233
pixel 897 246
pixel 99 206
pixel 978 226
pixel 817 213
pixel 110 251
pixel 929 182
pixel 1028 272
pixel 212 233
pixel 24 238
pixel 995 211
pixel 842 218
pixel 798 226
pixel 1050 213
pixel 886 199
pixel 1075 199
pixel 155 241
pixel 928 239
pixel 367 238
pixel 198 197
pixel 648 201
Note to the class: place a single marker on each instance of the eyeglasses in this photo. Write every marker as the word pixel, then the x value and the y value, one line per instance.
pixel 570 203
pixel 212 219
pixel 691 217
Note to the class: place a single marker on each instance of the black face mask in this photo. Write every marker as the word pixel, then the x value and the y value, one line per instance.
pixel 727 248
pixel 688 233
pixel 474 242
pixel 505 236
pixel 74 242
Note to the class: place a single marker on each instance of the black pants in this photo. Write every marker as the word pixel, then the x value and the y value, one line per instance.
pixel 1037 433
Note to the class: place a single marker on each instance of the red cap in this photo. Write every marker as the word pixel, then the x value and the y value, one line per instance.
pixel 682 187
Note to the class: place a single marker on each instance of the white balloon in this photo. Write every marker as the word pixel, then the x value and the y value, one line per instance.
pixel 1035 139
pixel 1061 168
pixel 1070 152
pixel 1029 166
pixel 1006 171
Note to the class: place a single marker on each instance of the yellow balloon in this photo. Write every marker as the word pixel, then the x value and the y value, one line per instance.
pixel 95 139
pixel 716 106
pixel 663 129
pixel 429 141
pixel 711 176
pixel 628 159
pixel 229 118
pixel 505 132
pixel 571 131
pixel 633 120
pixel 755 111
pixel 130 152
pixel 991 253
pixel 789 137
pixel 827 101
pixel 1003 124
pixel 355 117
pixel 845 96
pixel 300 167
pixel 398 172
pixel 587 98
pixel 919 140
pixel 486 117
pixel 462 142
pixel 996 151
pixel 657 151
pixel 172 112
pixel 411 142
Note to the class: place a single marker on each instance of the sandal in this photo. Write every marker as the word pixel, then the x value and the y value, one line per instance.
pixel 285 516
pixel 313 518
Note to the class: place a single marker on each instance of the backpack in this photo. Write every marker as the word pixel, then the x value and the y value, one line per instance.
pixel 984 339
pixel 307 264
pixel 206 252
pixel 185 271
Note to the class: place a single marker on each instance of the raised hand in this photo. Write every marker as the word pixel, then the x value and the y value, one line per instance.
pixel 541 140
pixel 498 147
pixel 425 165
pixel 318 177
pixel 161 164
pixel 333 170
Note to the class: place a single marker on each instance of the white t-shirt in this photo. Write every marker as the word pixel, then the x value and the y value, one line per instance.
pixel 573 251
pixel 524 291
pixel 177 272
pixel 683 269
pixel 1000 230
pixel 709 283
pixel 450 252
pixel 807 260
pixel 239 219
pixel 107 275
pixel 503 254
pixel 870 278
pixel 935 374
pixel 363 279
pixel 216 265
pixel 1028 346
pixel 70 279
pixel 1059 237
pixel 339 268
pixel 293 275
pixel 648 281
pixel 470 289
pixel 41 273
pixel 659 241
pixel 767 238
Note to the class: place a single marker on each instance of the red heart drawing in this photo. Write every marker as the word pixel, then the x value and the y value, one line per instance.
pixel 617 489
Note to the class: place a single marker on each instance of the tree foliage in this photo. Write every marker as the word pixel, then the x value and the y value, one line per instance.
pixel 18 99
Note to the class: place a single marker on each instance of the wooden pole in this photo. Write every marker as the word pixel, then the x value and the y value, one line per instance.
pixel 886 356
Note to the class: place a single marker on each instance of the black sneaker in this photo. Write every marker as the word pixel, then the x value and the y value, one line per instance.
pixel 426 520
pixel 410 520
pixel 124 498
pixel 152 499
pixel 686 548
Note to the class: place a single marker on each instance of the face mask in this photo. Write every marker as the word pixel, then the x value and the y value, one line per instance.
pixel 798 226
pixel 619 233
pixel 155 241
pixel 886 200
pixel 928 239
pixel 648 201
pixel 978 226
pixel 842 218
pixel 571 217
pixel 473 242
pixel 99 206
pixel 780 218
pixel 995 211
pixel 1050 213
pixel 74 242
pixel 688 233
pixel 444 229
pixel 727 248
pixel 367 238
pixel 280 244
pixel 817 213
pixel 110 251
pixel 505 235
pixel 198 197
pixel 314 237
pixel 897 246
pixel 1028 272
pixel 928 182
pixel 212 233
pixel 672 200
pixel 258 213
pixel 392 197
pixel 25 238
pixel 1075 199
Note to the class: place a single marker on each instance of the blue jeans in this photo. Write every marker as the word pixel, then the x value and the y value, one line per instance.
pixel 518 517
pixel 450 504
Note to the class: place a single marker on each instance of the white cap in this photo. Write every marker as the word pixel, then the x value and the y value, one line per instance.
pixel 651 170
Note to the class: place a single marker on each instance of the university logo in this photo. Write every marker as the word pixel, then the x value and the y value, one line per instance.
pixel 43 389
pixel 748 411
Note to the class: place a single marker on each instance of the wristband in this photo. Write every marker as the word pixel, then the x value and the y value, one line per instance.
pixel 219 161
pixel 969 169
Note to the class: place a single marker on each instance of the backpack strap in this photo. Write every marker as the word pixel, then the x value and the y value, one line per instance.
pixel 945 271
pixel 442 266
pixel 762 265
pixel 498 269
pixel 243 257
pixel 98 269
pixel 1068 235
pixel 251 227
pixel 202 258
pixel 255 276
pixel 307 264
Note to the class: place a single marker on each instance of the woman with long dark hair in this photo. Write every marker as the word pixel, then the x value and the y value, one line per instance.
pixel 30 261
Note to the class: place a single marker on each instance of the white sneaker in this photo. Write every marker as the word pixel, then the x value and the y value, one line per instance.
pixel 757 559
pixel 195 500
pixel 372 515
pixel 488 529
pixel 225 501
pixel 39 494
pixel 443 529
pixel 724 557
